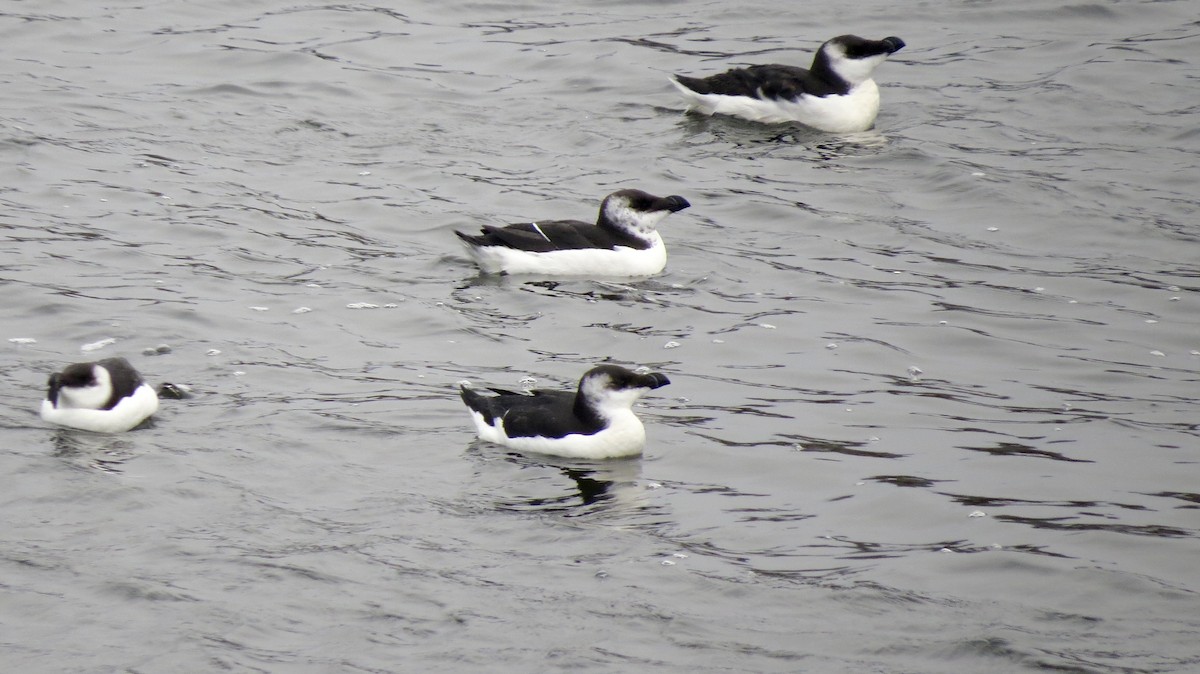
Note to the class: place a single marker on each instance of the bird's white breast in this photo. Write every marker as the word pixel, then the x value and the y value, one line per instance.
pixel 128 413
pixel 624 436
pixel 619 261
pixel 855 111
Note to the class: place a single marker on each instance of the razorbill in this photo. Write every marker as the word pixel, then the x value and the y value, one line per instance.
pixel 594 422
pixel 836 94
pixel 107 396
pixel 623 242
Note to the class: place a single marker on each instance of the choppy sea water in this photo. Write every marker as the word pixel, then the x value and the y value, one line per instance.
pixel 935 400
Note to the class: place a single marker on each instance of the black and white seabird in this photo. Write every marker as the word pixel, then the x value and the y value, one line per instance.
pixel 594 422
pixel 622 242
pixel 107 396
pixel 836 94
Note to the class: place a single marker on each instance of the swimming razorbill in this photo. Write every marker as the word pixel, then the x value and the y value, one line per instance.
pixel 594 422
pixel 836 94
pixel 107 396
pixel 622 242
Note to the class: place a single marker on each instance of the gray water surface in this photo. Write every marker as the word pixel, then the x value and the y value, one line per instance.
pixel 935 400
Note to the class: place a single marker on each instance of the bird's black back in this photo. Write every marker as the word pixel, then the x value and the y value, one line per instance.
pixel 772 81
pixel 542 413
pixel 551 235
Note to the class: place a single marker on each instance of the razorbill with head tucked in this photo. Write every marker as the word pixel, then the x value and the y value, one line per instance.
pixel 596 421
pixel 107 396
pixel 836 94
pixel 623 242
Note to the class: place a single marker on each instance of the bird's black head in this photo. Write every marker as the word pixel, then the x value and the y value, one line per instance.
pixel 78 375
pixel 617 378
pixel 80 379
pixel 637 212
pixel 647 203
pixel 855 47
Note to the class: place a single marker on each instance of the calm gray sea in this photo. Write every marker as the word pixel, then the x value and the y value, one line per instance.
pixel 935 400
